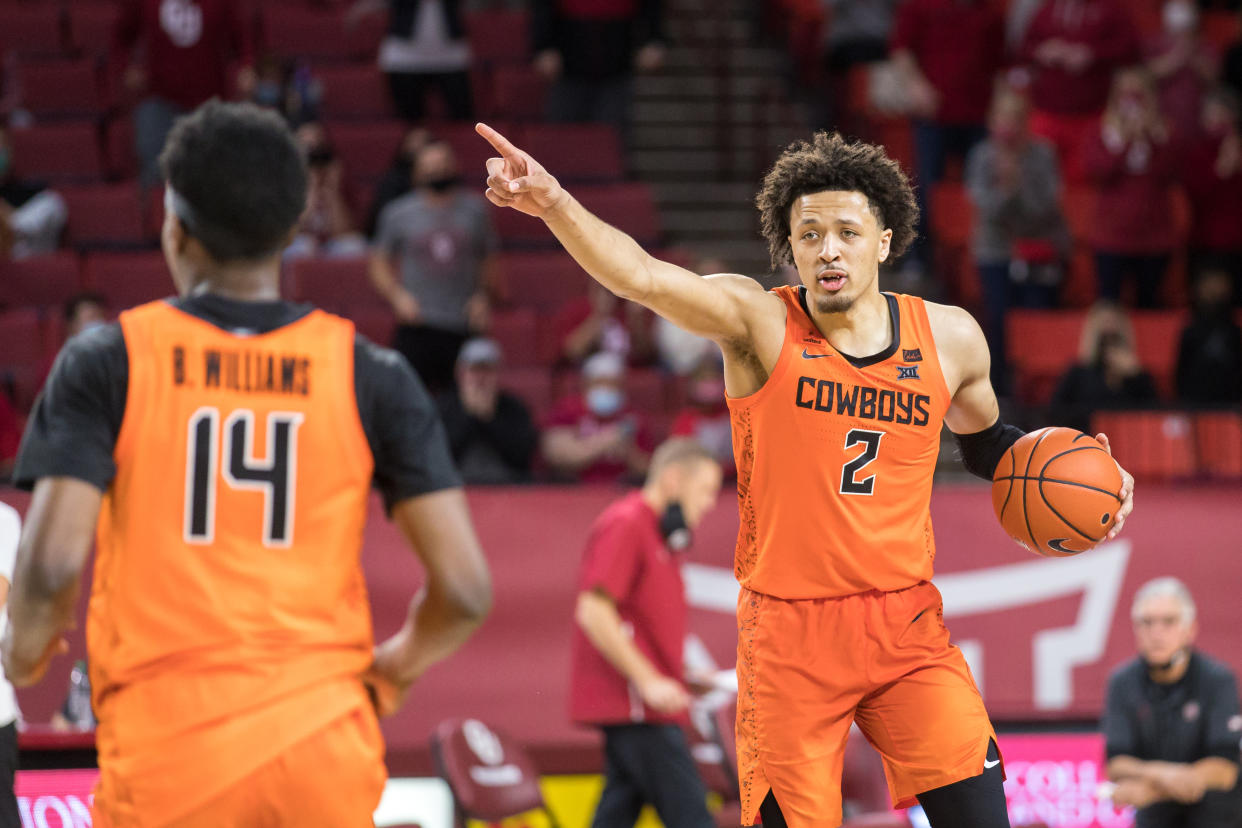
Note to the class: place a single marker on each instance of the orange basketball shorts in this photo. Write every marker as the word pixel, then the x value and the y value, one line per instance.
pixel 808 669
pixel 332 779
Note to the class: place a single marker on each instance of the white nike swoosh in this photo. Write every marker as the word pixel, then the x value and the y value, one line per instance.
pixel 991 764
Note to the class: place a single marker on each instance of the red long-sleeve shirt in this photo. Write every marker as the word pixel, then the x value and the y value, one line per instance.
pixel 1134 206
pixel 188 46
pixel 959 47
pixel 1216 201
pixel 1101 25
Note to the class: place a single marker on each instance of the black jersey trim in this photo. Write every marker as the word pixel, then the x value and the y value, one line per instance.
pixel 894 310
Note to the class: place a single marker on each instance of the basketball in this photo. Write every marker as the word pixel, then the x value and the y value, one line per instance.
pixel 1056 492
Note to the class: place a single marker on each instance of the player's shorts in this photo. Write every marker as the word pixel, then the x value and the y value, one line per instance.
pixel 807 669
pixel 332 779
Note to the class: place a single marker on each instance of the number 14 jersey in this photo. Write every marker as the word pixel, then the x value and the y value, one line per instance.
pixel 835 457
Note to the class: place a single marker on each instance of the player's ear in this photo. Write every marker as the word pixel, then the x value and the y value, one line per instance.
pixel 886 240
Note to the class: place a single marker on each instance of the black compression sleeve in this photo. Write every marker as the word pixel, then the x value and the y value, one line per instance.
pixel 982 450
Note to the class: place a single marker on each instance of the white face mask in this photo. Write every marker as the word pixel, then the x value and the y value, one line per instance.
pixel 1179 16
pixel 604 401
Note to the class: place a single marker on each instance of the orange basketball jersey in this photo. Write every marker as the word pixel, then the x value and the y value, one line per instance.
pixel 835 457
pixel 229 616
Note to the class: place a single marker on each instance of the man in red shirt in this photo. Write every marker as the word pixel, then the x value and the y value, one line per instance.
pixel 627 671
pixel 187 48
pixel 948 52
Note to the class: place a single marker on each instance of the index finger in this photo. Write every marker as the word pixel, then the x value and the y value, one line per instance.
pixel 499 142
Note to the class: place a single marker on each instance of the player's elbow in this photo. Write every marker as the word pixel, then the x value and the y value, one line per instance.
pixel 49 573
pixel 471 599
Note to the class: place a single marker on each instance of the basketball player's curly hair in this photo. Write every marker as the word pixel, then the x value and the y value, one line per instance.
pixel 830 162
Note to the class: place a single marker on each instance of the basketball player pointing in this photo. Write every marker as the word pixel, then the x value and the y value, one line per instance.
pixel 837 393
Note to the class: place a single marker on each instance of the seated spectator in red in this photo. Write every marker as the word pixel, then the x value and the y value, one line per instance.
pixel 425 49
pixel 706 418
pixel 1020 242
pixel 1073 47
pixel 589 50
pixel 600 321
pixel 1132 161
pixel 1212 175
pixel 1184 66
pixel 490 431
pixel 1107 375
pixel 185 49
pixel 31 215
pixel 81 313
pixel 1209 354
pixel 327 227
pixel 948 52
pixel 595 436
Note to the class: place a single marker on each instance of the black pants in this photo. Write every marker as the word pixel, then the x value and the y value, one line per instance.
pixel 9 817
pixel 409 93
pixel 650 764
pixel 431 352
pixel 1148 271
pixel 977 802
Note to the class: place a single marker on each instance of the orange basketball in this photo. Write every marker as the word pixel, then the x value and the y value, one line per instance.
pixel 1056 491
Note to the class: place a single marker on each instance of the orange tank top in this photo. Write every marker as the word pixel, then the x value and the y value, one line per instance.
pixel 835 457
pixel 229 614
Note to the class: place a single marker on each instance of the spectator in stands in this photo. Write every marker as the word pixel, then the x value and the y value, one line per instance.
pixel 706 418
pixel 1171 720
pixel 490 431
pixel 80 312
pixel 1020 241
pixel 628 674
pixel 441 238
pixel 1107 375
pixel 1184 65
pixel 589 50
pixel 31 215
pixel 399 178
pixel 600 321
pixel 327 227
pixel 595 436
pixel 1212 175
pixel 1209 355
pixel 948 52
pixel 1132 161
pixel 187 48
pixel 1073 47
pixel 858 34
pixel 289 88
pixel 425 49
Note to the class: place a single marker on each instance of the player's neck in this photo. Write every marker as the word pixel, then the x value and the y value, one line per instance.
pixel 863 329
pixel 244 282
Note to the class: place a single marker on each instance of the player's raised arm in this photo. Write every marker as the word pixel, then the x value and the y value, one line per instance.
pixel 718 306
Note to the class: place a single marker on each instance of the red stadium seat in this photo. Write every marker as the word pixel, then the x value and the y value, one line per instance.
pixel 1151 445
pixel 39 281
pixel 1041 345
pixel 320 35
pixel 499 35
pixel 628 206
pixel 1156 336
pixel 108 215
pixel 582 152
pixel 517 332
pixel 1218 438
pixel 91 26
pixel 1078 206
pixel 22 350
pixel 120 156
pixel 491 776
pixel 541 280
pixel 471 150
pixel 31 29
pixel 129 278
pixel 518 93
pixel 372 321
pixel 332 284
pixel 59 88
pixel 367 149
pixel 1220 29
pixel 354 92
pixel 57 152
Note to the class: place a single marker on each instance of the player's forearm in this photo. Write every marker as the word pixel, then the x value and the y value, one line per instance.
pixel 603 627
pixel 383 277
pixel 39 613
pixel 436 627
pixel 1217 774
pixel 612 258
pixel 1121 768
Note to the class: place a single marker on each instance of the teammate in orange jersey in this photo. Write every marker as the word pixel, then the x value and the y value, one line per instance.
pixel 837 393
pixel 226 442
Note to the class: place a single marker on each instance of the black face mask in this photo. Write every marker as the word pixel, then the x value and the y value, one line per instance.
pixel 442 184
pixel 673 526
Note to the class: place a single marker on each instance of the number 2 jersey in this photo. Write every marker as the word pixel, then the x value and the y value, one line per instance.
pixel 835 457
pixel 236 445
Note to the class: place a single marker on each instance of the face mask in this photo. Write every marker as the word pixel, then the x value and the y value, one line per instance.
pixel 604 401
pixel 442 184
pixel 267 93
pixel 1179 17
pixel 673 526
